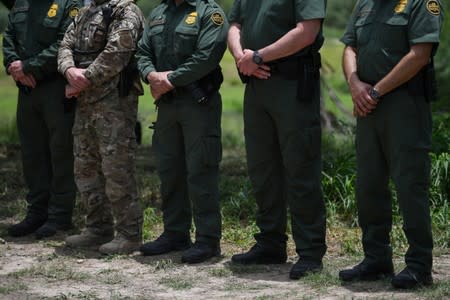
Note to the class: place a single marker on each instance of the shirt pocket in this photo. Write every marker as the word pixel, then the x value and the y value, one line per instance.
pixel 395 29
pixel 363 29
pixel 156 36
pixel 97 35
pixel 185 40
pixel 48 29
pixel 18 20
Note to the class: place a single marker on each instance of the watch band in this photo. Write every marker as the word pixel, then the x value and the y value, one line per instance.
pixel 257 58
pixel 374 94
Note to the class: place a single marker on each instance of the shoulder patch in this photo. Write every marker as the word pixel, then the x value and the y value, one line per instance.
pixel 401 6
pixel 434 7
pixel 73 12
pixel 217 18
pixel 52 10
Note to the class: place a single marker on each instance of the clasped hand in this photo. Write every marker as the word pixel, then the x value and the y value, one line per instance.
pixel 77 82
pixel 247 67
pixel 16 71
pixel 363 104
pixel 159 83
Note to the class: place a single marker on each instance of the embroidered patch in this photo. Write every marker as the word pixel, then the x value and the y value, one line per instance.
pixel 433 7
pixel 191 18
pixel 52 10
pixel 156 22
pixel 401 6
pixel 217 18
pixel 73 12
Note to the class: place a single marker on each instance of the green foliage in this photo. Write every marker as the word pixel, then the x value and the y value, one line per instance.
pixel 441 132
pixel 439 196
pixel 338 13
pixel 338 180
pixel 441 63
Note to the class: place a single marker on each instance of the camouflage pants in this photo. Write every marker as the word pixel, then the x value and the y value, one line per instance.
pixel 104 145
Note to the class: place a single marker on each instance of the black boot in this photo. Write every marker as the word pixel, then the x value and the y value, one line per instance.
pixel 303 267
pixel 50 228
pixel 29 225
pixel 200 252
pixel 368 271
pixel 166 243
pixel 260 255
pixel 408 279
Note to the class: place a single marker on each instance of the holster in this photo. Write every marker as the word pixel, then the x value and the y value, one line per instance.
pixel 202 89
pixel 305 69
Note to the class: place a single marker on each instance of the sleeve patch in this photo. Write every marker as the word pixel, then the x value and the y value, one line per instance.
pixel 433 7
pixel 217 18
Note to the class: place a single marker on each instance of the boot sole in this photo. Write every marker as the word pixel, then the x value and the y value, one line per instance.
pixel 164 251
pixel 411 284
pixel 199 260
pixel 258 262
pixel 300 275
pixel 373 277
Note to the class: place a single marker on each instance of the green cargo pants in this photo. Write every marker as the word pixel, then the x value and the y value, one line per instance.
pixel 283 140
pixel 395 140
pixel 44 123
pixel 187 145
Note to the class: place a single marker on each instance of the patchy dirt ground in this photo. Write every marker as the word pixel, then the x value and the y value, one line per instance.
pixel 47 270
pixel 31 269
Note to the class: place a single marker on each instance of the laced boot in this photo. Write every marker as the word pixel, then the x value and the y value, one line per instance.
pixel 166 243
pixel 409 279
pixel 259 254
pixel 304 267
pixel 27 226
pixel 200 252
pixel 51 228
pixel 120 245
pixel 368 271
pixel 88 238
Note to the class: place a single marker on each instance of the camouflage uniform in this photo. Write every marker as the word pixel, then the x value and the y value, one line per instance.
pixel 104 136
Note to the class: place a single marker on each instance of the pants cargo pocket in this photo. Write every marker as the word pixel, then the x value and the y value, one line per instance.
pixel 212 151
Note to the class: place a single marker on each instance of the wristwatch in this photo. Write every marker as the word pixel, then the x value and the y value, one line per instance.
pixel 374 94
pixel 257 58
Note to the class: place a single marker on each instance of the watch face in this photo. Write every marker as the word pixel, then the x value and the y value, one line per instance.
pixel 374 94
pixel 257 59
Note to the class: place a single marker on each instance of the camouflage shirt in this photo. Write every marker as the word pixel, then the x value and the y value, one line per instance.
pixel 102 49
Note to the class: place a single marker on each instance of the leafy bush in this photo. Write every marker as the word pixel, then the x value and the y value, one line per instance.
pixel 441 133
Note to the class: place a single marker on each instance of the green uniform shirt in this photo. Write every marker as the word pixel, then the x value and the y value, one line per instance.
pixel 383 32
pixel 34 32
pixel 265 21
pixel 189 40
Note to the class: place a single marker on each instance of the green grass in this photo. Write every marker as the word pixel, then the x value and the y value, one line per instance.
pixel 232 96
pixel 11 287
pixel 178 282
pixel 53 272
